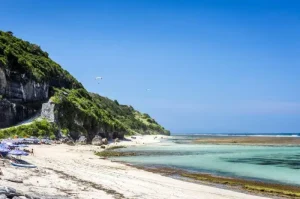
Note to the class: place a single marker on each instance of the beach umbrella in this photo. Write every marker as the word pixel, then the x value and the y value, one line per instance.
pixel 3 145
pixel 4 150
pixel 22 145
pixel 17 152
pixel 13 145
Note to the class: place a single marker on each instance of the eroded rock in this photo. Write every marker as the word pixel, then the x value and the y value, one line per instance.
pixel 104 141
pixel 70 143
pixel 82 140
pixel 3 196
pixel 97 140
pixel 7 190
pixel 48 111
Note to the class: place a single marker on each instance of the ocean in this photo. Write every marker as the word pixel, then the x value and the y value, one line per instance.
pixel 276 164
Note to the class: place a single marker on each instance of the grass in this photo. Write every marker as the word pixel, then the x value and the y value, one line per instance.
pixel 276 191
pixel 256 186
pixel 112 153
pixel 115 147
pixel 38 128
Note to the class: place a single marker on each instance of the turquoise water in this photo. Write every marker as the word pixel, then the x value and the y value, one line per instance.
pixel 265 163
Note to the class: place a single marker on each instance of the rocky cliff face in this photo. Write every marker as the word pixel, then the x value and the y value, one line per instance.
pixel 27 75
pixel 19 88
pixel 20 98
pixel 12 113
pixel 30 83
pixel 47 112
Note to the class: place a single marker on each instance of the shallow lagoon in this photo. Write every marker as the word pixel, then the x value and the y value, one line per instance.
pixel 265 163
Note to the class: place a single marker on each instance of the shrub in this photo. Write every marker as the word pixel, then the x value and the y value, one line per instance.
pixel 38 128
pixel 26 58
pixel 94 111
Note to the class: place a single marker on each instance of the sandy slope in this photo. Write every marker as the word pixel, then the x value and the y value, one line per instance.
pixel 74 172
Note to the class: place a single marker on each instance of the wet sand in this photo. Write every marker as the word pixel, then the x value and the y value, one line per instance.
pixel 76 172
pixel 273 190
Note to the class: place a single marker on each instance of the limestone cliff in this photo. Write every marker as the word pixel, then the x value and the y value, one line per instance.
pixel 19 99
pixel 29 78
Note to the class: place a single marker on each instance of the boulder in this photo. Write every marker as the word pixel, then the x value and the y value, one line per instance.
pixel 104 141
pixel 66 140
pixel 118 134
pixel 63 139
pixel 110 135
pixel 97 140
pixel 82 140
pixel 31 197
pixel 7 190
pixel 3 196
pixel 48 111
pixel 70 143
pixel 117 140
pixel 28 196
pixel 16 197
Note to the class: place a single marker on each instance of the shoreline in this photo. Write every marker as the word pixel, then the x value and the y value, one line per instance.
pixel 243 185
pixel 247 186
pixel 65 171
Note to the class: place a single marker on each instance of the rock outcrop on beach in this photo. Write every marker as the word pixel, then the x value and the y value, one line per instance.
pixel 32 84
pixel 11 193
pixel 105 141
pixel 97 140
pixel 82 140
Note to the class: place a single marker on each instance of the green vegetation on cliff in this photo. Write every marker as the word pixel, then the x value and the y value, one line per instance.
pixel 93 113
pixel 38 128
pixel 26 58
pixel 77 111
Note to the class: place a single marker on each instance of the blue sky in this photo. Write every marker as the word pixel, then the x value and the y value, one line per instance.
pixel 213 66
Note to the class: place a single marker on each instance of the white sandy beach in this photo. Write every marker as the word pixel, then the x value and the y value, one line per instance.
pixel 75 172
